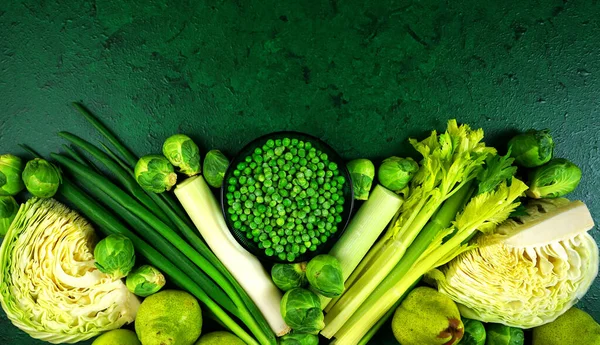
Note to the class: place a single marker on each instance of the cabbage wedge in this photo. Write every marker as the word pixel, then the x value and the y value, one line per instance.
pixel 530 270
pixel 49 285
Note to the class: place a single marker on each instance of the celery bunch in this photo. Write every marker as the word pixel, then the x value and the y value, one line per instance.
pixel 455 165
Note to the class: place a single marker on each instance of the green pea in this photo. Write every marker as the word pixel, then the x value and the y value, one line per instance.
pixel 269 251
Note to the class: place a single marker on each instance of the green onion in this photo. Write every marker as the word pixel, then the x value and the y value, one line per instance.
pixel 79 158
pixel 121 174
pixel 130 158
pixel 177 215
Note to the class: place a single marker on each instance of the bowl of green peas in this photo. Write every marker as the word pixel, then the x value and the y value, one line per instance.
pixel 287 197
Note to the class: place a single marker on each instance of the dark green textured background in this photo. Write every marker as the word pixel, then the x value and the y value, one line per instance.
pixel 362 75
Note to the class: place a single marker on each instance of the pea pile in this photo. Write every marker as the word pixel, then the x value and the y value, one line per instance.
pixel 287 196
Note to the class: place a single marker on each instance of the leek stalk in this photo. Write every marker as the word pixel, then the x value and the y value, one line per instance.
pixel 198 200
pixel 364 229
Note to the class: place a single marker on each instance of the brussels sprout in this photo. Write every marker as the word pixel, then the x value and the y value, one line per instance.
pixel 301 310
pixel 11 168
pixel 474 333
pixel 555 179
pixel 215 165
pixel 498 334
pixel 362 173
pixel 41 178
pixel 183 153
pixel 155 174
pixel 289 276
pixel 115 256
pixel 145 280
pixel 8 211
pixel 531 149
pixel 395 173
pixel 299 339
pixel 324 274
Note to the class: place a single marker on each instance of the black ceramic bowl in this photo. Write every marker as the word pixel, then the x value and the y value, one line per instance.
pixel 347 191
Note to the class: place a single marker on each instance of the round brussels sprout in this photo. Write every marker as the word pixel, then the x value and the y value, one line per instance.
pixel 11 168
pixel 183 153
pixel 557 178
pixel 532 148
pixel 301 310
pixel 41 178
pixel 474 333
pixel 145 280
pixel 498 334
pixel 362 173
pixel 8 211
pixel 115 256
pixel 395 173
pixel 324 274
pixel 299 339
pixel 155 174
pixel 289 276
pixel 215 165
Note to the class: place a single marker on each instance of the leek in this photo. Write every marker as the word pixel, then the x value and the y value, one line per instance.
pixel 364 229
pixel 197 199
pixel 482 213
pixel 450 161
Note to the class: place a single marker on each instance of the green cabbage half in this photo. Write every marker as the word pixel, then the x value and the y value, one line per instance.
pixel 49 285
pixel 531 271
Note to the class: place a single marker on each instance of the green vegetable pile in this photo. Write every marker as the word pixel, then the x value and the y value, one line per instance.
pixel 498 255
pixel 287 197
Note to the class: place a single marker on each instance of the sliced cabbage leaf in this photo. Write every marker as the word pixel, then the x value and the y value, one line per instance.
pixel 530 271
pixel 49 286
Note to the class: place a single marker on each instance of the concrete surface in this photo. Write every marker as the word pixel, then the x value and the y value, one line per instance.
pixel 362 75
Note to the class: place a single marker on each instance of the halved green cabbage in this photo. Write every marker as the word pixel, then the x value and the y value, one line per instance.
pixel 49 285
pixel 531 271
